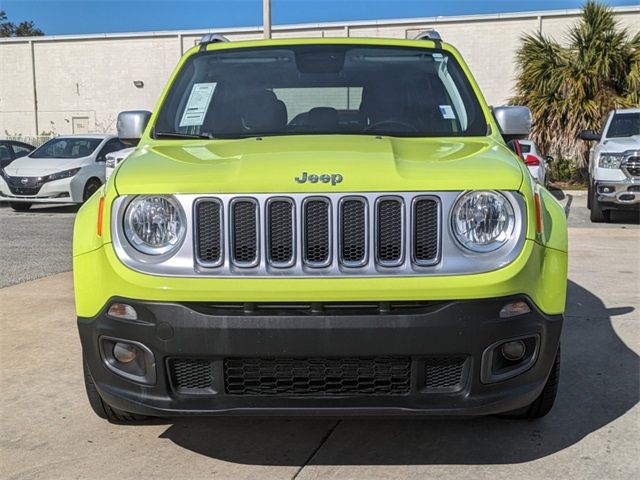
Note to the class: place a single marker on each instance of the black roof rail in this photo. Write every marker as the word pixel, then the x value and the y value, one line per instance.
pixel 208 38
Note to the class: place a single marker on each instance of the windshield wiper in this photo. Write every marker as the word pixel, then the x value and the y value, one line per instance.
pixel 182 135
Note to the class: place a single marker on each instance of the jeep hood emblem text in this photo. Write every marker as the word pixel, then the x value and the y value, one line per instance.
pixel 333 178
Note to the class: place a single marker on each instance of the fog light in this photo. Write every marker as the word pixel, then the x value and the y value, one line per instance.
pixel 514 308
pixel 122 310
pixel 124 352
pixel 513 351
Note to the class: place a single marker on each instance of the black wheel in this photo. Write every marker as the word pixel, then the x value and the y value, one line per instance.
pixel 597 214
pixel 90 188
pixel 544 403
pixel 20 206
pixel 101 408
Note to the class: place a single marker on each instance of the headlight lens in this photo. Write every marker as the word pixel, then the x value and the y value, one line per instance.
pixel 60 175
pixel 610 160
pixel 483 221
pixel 154 224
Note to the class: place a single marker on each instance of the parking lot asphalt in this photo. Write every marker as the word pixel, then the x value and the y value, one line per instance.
pixel 34 244
pixel 49 431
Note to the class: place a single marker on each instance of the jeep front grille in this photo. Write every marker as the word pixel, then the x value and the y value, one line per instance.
pixel 298 234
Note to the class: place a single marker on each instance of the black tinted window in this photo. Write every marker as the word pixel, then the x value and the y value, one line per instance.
pixel 322 89
pixel 624 125
pixel 67 148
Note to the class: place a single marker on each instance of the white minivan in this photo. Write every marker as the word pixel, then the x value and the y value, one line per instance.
pixel 66 169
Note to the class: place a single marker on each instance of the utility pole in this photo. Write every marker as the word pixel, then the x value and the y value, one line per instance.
pixel 266 18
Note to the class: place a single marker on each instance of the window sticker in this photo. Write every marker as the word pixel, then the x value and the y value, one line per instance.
pixel 447 112
pixel 197 105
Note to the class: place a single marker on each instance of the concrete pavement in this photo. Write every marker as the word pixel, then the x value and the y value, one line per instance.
pixel 49 431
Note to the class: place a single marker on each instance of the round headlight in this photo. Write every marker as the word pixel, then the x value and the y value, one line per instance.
pixel 483 221
pixel 154 224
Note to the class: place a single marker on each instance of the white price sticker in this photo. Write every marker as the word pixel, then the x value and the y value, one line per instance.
pixel 198 104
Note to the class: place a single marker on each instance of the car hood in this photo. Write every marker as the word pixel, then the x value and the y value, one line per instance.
pixel 619 145
pixel 365 163
pixel 37 167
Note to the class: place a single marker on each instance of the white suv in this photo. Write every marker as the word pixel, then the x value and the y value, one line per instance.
pixel 115 158
pixel 614 165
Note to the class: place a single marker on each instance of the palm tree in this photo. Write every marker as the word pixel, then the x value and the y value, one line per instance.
pixel 572 87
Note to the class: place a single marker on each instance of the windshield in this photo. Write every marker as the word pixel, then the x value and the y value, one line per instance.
pixel 624 125
pixel 67 148
pixel 321 89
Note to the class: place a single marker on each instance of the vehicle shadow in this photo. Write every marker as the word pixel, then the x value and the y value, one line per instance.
pixel 630 217
pixel 600 382
pixel 43 208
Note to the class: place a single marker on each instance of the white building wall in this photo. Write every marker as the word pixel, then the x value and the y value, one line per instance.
pixel 82 82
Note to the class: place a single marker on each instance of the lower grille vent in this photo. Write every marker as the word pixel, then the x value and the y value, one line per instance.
pixel 189 374
pixel 317 376
pixel 444 373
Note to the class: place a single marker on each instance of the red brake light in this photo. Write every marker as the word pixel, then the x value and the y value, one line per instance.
pixel 531 161
pixel 100 215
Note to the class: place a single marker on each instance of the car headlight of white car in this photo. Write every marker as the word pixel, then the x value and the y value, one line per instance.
pixel 482 221
pixel 610 160
pixel 61 175
pixel 154 224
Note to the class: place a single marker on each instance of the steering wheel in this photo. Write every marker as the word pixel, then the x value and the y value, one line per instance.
pixel 406 126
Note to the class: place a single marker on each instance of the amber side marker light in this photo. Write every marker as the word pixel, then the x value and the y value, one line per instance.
pixel 538 213
pixel 100 215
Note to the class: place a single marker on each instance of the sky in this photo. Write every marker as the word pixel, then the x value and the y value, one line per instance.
pixel 56 17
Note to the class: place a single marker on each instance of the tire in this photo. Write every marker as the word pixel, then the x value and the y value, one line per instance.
pixel 544 403
pixel 20 206
pixel 589 189
pixel 103 409
pixel 597 214
pixel 90 188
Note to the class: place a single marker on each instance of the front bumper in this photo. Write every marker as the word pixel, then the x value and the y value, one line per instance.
pixel 57 191
pixel 453 329
pixel 625 193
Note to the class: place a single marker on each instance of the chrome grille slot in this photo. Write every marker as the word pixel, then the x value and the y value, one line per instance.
pixel 425 231
pixel 209 239
pixel 632 165
pixel 244 232
pixel 389 231
pixel 281 232
pixel 353 231
pixel 317 232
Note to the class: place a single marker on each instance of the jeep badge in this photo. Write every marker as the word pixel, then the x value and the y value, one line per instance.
pixel 334 178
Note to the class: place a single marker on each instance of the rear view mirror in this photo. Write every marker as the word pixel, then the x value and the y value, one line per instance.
pixel 549 159
pixel 590 135
pixel 514 121
pixel 131 125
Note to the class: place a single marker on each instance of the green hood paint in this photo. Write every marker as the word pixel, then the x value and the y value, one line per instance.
pixel 366 163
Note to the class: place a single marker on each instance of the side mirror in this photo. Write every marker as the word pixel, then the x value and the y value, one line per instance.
pixel 131 125
pixel 101 158
pixel 514 121
pixel 590 135
pixel 549 158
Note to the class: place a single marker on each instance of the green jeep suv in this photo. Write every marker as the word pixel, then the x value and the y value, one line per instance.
pixel 321 226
